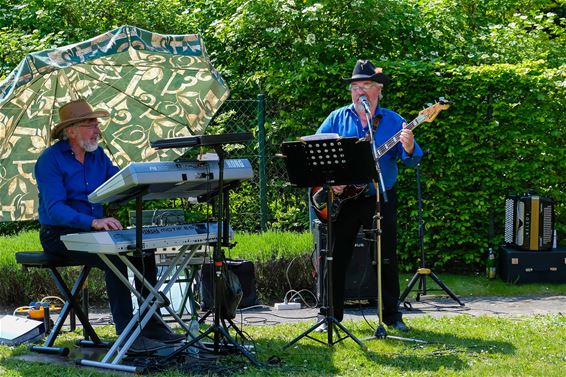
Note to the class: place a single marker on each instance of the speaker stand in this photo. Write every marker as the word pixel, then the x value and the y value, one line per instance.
pixel 423 271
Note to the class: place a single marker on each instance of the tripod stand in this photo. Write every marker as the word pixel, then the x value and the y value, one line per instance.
pixel 218 329
pixel 324 161
pixel 423 271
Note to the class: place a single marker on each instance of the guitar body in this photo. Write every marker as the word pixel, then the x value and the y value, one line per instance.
pixel 319 195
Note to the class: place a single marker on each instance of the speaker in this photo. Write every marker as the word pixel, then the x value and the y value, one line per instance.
pixel 361 279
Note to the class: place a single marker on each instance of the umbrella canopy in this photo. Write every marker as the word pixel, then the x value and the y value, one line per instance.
pixel 153 85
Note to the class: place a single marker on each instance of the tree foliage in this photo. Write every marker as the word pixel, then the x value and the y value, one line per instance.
pixel 502 62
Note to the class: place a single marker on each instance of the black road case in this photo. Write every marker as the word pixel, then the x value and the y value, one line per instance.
pixel 518 266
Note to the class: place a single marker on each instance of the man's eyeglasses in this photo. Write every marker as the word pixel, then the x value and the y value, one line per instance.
pixel 91 124
pixel 362 88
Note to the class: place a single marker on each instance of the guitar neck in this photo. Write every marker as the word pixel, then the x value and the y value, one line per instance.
pixel 385 147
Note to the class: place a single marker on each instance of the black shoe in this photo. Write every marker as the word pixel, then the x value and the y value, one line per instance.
pixel 160 332
pixel 143 345
pixel 399 325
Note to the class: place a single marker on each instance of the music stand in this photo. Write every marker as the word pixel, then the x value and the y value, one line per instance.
pixel 325 160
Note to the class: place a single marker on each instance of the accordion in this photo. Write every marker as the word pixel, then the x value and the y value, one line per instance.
pixel 529 222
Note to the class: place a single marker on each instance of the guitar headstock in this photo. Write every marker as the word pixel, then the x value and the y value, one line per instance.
pixel 431 112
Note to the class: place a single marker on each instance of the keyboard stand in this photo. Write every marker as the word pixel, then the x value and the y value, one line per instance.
pixel 156 299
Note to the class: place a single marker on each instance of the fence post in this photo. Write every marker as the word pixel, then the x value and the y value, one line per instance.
pixel 262 161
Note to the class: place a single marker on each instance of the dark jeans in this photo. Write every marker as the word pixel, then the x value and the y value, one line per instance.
pixel 358 213
pixel 119 296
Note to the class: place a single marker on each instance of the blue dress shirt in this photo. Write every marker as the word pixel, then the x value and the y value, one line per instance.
pixel 64 185
pixel 346 122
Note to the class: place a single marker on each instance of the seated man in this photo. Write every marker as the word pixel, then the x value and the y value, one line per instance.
pixel 67 172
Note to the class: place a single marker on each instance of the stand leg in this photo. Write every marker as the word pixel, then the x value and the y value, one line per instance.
pixel 220 335
pixel 329 318
pixel 330 322
pixel 445 288
pixel 421 274
pixel 408 289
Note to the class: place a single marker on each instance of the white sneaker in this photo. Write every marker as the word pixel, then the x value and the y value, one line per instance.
pixel 322 327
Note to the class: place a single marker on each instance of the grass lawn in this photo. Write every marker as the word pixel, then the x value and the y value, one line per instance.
pixel 457 346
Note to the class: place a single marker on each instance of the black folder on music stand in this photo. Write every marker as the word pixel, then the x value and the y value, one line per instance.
pixel 324 161
pixel 335 161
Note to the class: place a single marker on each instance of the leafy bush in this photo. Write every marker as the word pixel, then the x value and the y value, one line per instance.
pixel 501 62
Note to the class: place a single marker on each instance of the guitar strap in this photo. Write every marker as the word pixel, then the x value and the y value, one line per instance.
pixel 375 123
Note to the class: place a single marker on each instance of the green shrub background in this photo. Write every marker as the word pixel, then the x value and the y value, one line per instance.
pixel 502 63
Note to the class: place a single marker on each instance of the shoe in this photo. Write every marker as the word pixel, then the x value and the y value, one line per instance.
pixel 143 345
pixel 161 333
pixel 399 325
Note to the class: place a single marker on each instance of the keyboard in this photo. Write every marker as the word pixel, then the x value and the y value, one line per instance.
pixel 170 179
pixel 153 237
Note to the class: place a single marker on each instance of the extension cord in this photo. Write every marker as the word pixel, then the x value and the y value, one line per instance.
pixel 287 306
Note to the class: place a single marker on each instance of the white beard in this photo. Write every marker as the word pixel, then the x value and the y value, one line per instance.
pixel 89 146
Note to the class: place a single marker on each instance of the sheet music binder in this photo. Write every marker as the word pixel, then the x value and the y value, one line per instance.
pixel 336 161
pixel 17 330
pixel 202 140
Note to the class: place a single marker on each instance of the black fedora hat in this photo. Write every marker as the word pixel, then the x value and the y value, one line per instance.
pixel 364 70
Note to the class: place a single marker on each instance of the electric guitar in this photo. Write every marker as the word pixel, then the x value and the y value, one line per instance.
pixel 318 195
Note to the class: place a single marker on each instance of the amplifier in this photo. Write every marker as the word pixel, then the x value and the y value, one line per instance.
pixel 519 266
pixel 529 222
pixel 361 279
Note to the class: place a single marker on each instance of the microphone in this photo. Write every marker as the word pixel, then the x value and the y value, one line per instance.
pixel 365 103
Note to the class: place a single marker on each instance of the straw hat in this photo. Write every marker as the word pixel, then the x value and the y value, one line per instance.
pixel 73 112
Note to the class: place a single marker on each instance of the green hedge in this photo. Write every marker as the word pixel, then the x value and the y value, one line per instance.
pixel 503 133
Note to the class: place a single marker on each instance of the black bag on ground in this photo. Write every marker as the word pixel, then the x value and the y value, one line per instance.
pixel 243 272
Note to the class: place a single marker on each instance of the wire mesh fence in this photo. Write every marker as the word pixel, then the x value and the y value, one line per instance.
pixel 267 201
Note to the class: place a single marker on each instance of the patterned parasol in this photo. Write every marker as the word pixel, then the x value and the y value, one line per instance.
pixel 154 86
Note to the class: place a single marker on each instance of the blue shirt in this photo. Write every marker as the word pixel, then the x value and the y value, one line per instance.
pixel 346 122
pixel 64 184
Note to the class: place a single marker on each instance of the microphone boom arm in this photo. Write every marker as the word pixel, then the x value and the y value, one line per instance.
pixel 364 102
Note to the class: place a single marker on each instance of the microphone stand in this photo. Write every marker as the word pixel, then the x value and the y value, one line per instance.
pixel 380 331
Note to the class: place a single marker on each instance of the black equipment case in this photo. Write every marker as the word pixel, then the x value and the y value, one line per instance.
pixel 518 266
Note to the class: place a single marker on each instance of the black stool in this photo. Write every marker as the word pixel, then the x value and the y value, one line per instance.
pixel 40 259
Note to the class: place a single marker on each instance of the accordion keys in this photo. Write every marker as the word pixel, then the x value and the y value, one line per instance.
pixel 510 204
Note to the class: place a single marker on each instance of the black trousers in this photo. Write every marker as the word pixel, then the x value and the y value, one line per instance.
pixel 356 213
pixel 119 295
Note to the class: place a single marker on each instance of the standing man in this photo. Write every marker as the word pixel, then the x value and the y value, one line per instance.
pixel 67 172
pixel 366 83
